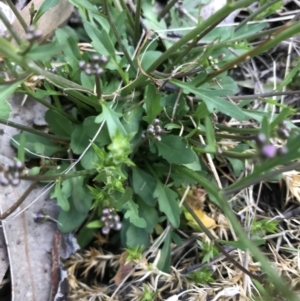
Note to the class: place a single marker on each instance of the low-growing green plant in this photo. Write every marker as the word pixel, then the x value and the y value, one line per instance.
pixel 263 226
pixel 134 254
pixel 209 251
pixel 138 113
pixel 148 295
pixel 202 276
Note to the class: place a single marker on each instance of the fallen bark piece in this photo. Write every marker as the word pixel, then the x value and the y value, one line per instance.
pixel 50 20
pixel 28 243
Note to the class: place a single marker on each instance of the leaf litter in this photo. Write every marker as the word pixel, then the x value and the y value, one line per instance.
pixel 229 284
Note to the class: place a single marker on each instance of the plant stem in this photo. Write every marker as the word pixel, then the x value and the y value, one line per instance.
pixel 130 97
pixel 264 95
pixel 243 131
pixel 192 45
pixel 9 27
pixel 229 154
pixel 212 44
pixel 183 54
pixel 166 9
pixel 116 33
pixel 17 14
pixel 12 81
pixel 137 26
pixel 56 177
pixel 259 178
pixel 79 103
pixel 66 85
pixel 219 136
pixel 60 81
pixel 45 103
pixel 98 86
pixel 56 99
pixel 70 88
pixel 129 17
pixel 285 32
pixel 117 4
pixel 255 13
pixel 34 131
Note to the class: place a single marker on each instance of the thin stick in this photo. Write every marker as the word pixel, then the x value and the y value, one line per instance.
pixel 33 131
pixel 18 202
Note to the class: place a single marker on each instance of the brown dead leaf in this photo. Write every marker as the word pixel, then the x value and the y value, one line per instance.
pixel 196 198
pixel 124 269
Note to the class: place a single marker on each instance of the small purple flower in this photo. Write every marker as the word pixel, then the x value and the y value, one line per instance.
pixel 39 217
pixel 269 151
